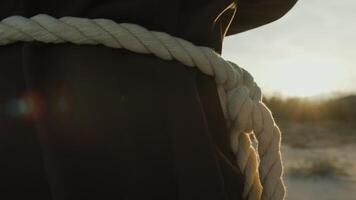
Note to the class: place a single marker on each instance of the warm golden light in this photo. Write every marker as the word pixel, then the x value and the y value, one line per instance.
pixel 304 77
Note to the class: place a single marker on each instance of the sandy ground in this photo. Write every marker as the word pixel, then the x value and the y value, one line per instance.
pixel 305 144
pixel 310 187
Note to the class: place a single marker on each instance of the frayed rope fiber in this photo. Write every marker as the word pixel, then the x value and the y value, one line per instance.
pixel 240 97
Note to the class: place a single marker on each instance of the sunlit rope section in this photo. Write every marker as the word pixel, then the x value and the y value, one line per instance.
pixel 241 98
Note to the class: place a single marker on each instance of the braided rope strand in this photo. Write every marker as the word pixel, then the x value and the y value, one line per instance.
pixel 240 97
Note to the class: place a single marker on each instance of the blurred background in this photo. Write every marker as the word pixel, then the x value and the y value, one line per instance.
pixel 305 64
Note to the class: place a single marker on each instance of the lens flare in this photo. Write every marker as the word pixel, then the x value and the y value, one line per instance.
pixel 30 106
pixel 35 105
pixel 16 107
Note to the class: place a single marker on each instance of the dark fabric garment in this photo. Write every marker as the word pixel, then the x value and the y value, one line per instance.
pixel 111 124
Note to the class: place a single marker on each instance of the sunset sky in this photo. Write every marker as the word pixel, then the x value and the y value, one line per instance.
pixel 310 51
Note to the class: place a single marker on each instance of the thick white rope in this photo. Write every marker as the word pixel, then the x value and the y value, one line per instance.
pixel 241 98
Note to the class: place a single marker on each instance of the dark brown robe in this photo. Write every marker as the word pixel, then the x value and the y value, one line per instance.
pixel 112 124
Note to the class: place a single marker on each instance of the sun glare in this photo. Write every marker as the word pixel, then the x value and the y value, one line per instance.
pixel 303 77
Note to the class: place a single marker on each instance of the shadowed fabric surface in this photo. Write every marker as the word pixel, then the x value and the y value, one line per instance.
pixel 107 131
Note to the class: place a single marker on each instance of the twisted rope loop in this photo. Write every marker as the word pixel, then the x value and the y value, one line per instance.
pixel 240 97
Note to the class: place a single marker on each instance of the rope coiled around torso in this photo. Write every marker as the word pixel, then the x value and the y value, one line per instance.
pixel 240 97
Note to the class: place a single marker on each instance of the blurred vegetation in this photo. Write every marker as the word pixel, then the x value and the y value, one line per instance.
pixel 323 167
pixel 303 110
